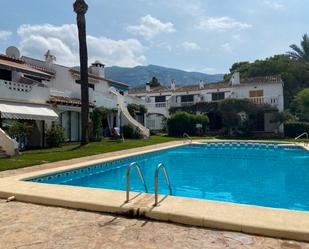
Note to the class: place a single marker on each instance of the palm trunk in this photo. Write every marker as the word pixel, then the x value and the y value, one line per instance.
pixel 80 7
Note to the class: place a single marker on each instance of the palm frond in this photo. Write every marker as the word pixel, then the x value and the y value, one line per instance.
pixel 294 55
pixel 305 46
pixel 297 50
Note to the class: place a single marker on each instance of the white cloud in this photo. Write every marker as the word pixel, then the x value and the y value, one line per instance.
pixel 227 47
pixel 162 45
pixel 63 42
pixel 191 45
pixel 274 5
pixel 222 24
pixel 4 35
pixel 150 27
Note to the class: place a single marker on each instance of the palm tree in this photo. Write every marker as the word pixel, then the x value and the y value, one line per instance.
pixel 80 8
pixel 300 53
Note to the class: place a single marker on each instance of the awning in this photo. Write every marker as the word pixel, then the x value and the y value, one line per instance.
pixel 27 111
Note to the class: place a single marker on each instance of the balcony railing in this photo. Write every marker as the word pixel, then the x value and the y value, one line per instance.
pixel 156 105
pixel 274 101
pixel 14 91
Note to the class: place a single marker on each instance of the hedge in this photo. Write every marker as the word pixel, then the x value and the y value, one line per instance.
pixel 183 122
pixel 294 129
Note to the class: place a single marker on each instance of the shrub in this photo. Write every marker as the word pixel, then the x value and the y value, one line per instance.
pixel 135 108
pixel 294 129
pixel 55 136
pixel 183 122
pixel 18 130
pixel 130 131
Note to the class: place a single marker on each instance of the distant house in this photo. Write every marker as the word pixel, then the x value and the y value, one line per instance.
pixel 41 93
pixel 259 90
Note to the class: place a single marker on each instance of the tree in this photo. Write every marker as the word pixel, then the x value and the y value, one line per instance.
pixel 301 104
pixel 154 82
pixel 80 8
pixel 300 53
pixel 294 74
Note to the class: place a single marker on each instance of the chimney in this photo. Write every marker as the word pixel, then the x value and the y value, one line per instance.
pixel 147 87
pixel 235 79
pixel 173 85
pixel 49 58
pixel 97 68
pixel 201 84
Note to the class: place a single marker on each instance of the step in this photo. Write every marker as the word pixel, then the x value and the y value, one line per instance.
pixel 2 155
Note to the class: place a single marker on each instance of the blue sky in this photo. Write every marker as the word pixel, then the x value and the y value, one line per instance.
pixel 194 35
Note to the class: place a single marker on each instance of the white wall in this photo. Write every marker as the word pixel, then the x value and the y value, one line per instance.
pixel 12 91
pixel 64 82
pixel 270 90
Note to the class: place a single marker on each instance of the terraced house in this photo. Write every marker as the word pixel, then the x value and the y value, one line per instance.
pixel 41 93
pixel 259 90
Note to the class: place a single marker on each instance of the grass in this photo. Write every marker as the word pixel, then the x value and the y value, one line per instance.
pixel 69 151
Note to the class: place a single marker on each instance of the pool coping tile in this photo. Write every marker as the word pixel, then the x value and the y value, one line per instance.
pixel 281 223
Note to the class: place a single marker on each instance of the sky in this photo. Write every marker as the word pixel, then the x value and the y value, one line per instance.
pixel 193 35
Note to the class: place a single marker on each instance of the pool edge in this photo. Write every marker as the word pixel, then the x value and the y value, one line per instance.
pixel 281 223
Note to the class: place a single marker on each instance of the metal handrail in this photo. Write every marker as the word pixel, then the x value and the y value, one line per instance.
pixel 186 136
pixel 128 179
pixel 161 166
pixel 301 135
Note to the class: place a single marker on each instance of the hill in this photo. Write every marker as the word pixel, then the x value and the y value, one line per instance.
pixel 139 75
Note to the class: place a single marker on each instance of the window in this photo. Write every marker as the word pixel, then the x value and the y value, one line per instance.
pixel 70 121
pixel 5 75
pixel 187 98
pixel 217 96
pixel 160 99
pixel 256 93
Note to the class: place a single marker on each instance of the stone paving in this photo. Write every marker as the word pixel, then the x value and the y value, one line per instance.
pixel 29 226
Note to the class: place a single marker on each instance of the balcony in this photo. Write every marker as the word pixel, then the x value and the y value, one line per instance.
pixel 156 105
pixel 274 101
pixel 159 107
pixel 14 91
pixel 173 104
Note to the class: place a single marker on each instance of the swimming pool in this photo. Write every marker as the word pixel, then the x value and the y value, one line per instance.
pixel 262 174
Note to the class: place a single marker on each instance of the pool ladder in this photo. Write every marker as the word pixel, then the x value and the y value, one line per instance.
pixel 187 137
pixel 161 166
pixel 156 180
pixel 128 179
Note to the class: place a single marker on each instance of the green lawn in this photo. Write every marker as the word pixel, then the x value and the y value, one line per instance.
pixel 35 157
pixel 69 151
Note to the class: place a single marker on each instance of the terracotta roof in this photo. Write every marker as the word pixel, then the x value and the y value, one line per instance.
pixel 43 66
pixel 142 89
pixel 276 79
pixel 38 64
pixel 206 86
pixel 76 71
pixel 179 89
pixel 262 80
pixel 67 101
pixel 10 63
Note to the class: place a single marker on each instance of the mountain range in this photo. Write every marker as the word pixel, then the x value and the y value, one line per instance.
pixel 140 75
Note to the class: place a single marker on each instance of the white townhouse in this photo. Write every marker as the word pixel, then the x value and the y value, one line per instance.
pixel 41 93
pixel 259 90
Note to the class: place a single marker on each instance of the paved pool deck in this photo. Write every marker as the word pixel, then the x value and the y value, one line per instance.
pixel 227 216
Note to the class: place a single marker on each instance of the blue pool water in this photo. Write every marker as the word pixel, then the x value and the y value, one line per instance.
pixel 255 174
